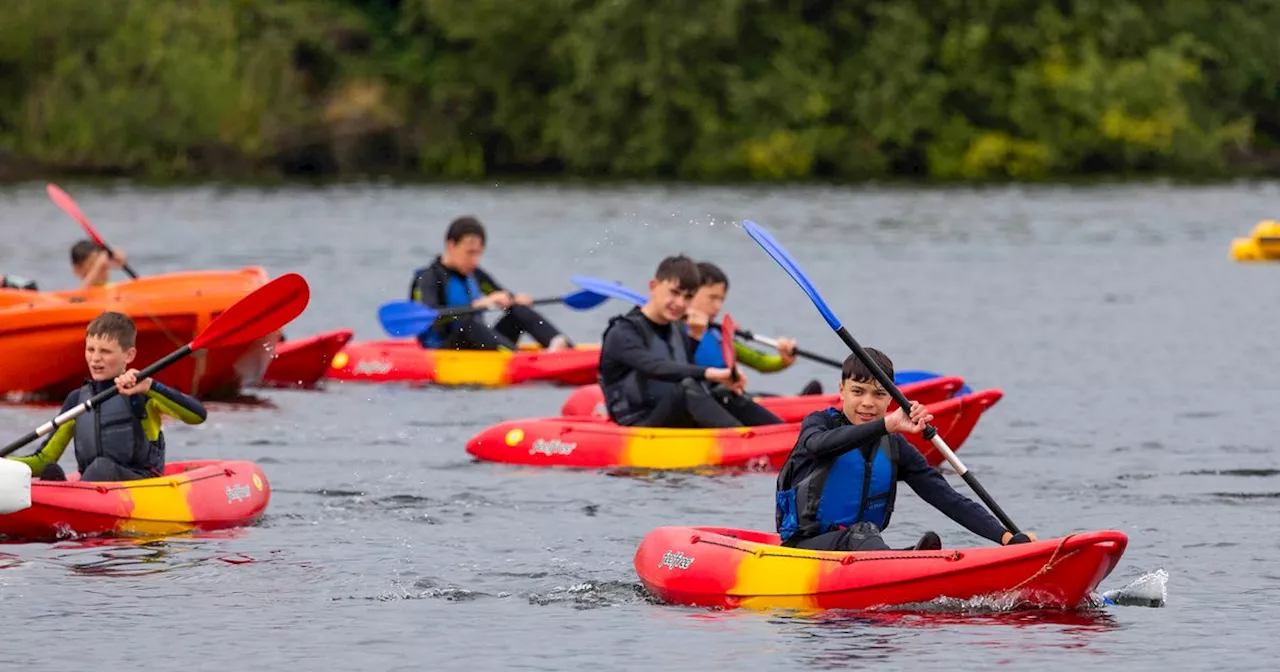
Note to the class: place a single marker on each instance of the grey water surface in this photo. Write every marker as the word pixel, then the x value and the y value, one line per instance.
pixel 1139 366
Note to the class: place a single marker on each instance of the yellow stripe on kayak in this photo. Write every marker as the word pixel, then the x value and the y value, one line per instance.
pixel 471 367
pixel 669 449
pixel 776 580
pixel 160 509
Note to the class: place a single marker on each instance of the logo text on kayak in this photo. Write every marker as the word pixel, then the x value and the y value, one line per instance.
pixel 552 447
pixel 675 560
pixel 236 493
pixel 372 366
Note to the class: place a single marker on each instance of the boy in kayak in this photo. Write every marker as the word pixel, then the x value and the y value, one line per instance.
pixel 455 279
pixel 713 288
pixel 837 488
pixel 120 440
pixel 93 265
pixel 647 371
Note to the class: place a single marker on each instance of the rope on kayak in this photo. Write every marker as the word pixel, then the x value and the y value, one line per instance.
pixel 110 486
pixel 844 558
pixel 1052 562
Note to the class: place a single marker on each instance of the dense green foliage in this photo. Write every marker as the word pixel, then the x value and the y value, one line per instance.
pixel 722 89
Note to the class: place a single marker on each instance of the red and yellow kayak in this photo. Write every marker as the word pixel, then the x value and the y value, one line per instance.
pixel 589 399
pixel 196 495
pixel 728 568
pixel 405 361
pixel 589 442
pixel 42 333
pixel 302 363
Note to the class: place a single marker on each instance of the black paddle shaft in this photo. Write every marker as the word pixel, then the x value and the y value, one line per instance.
pixel 111 254
pixel 929 430
pixel 749 335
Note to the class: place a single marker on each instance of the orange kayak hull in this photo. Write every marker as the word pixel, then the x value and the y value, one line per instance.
pixel 42 333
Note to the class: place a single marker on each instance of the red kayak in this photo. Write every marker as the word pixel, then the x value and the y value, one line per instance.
pixel 302 363
pixel 192 495
pixel 727 568
pixel 405 361
pixel 589 399
pixel 589 442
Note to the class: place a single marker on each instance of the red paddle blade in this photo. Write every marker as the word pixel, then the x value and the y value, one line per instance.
pixel 68 205
pixel 728 329
pixel 267 309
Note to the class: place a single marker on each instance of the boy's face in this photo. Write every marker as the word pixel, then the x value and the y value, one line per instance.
pixel 669 298
pixel 709 299
pixel 863 401
pixel 464 255
pixel 82 268
pixel 105 357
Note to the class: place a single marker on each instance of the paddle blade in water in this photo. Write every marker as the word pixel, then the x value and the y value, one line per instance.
pixel 728 329
pixel 15 486
pixel 68 205
pixel 613 290
pixel 584 300
pixel 779 254
pixel 266 309
pixel 405 318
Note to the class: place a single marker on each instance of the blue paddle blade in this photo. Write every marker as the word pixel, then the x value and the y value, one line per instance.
pixel 583 299
pixel 405 318
pixel 779 254
pixel 610 289
pixel 904 377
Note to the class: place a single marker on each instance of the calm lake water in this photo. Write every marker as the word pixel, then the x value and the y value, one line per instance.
pixel 1139 366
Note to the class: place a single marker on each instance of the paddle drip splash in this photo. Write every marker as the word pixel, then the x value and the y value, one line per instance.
pixel 1148 590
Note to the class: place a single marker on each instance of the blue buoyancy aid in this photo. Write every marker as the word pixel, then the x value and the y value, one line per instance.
pixel 451 290
pixel 709 352
pixel 858 486
pixel 114 430
pixel 633 397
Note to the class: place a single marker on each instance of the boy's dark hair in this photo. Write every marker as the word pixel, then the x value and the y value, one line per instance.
pixel 681 269
pixel 81 251
pixel 854 369
pixel 710 274
pixel 465 226
pixel 116 326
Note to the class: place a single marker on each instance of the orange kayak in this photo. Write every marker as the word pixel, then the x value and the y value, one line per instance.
pixel 589 399
pixel 405 361
pixel 302 363
pixel 728 568
pixel 42 333
pixel 588 442
pixel 196 495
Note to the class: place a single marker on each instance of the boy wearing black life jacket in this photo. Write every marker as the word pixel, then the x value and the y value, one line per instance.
pixel 120 440
pixel 455 279
pixel 647 371
pixel 837 488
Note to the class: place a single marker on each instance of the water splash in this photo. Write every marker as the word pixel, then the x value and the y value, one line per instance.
pixel 1149 590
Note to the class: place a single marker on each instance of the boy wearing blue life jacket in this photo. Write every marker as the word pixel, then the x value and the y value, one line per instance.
pixel 455 279
pixel 120 440
pixel 836 490
pixel 646 366
pixel 704 308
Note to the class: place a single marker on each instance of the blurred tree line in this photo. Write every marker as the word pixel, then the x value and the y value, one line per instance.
pixel 713 89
